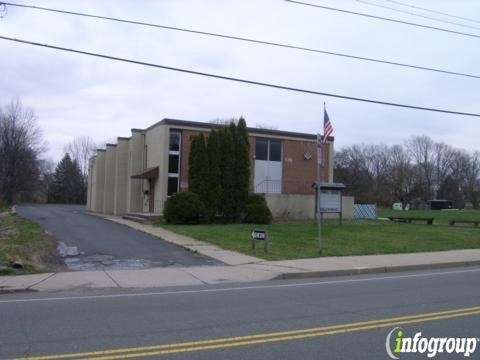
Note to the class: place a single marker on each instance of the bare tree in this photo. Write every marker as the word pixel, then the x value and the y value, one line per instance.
pixel 266 126
pixel 421 150
pixel 20 147
pixel 219 121
pixel 469 172
pixel 403 178
pixel 46 168
pixel 81 149
pixel 419 171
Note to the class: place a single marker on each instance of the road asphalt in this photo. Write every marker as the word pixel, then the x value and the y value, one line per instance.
pixel 34 324
pixel 106 245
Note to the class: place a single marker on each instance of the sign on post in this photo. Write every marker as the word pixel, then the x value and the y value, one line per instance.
pixel 259 235
pixel 330 201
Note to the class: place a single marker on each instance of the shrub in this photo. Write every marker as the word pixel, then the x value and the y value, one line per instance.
pixel 184 208
pixel 256 210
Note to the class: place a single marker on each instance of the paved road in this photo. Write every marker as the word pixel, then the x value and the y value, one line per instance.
pixel 42 323
pixel 104 244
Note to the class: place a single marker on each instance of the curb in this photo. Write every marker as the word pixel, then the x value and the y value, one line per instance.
pixel 16 290
pixel 373 270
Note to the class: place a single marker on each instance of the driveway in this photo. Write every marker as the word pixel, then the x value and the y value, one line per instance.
pixel 88 242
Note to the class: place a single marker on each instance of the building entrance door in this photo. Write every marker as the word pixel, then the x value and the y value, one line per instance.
pixel 151 194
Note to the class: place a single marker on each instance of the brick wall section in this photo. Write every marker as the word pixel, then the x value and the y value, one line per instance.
pixel 298 173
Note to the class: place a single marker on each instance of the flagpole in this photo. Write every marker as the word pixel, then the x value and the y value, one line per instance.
pixel 319 164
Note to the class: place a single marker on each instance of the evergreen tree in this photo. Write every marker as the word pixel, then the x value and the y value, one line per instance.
pixel 67 186
pixel 193 184
pixel 219 170
pixel 227 167
pixel 214 186
pixel 242 167
pixel 198 167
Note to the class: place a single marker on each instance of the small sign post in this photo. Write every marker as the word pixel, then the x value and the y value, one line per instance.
pixel 260 235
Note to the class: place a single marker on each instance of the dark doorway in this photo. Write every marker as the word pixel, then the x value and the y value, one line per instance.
pixel 151 195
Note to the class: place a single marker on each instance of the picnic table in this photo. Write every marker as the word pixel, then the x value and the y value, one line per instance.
pixel 409 219
pixel 452 222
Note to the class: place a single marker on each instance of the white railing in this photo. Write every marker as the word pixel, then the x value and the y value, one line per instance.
pixel 269 187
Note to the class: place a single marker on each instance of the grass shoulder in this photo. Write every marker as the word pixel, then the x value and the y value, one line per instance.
pixel 441 217
pixel 26 243
pixel 299 240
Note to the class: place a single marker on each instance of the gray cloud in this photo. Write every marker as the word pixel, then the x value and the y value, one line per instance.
pixel 77 95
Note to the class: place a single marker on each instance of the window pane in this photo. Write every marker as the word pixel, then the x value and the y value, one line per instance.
pixel 174 141
pixel 172 185
pixel 261 149
pixel 275 150
pixel 173 164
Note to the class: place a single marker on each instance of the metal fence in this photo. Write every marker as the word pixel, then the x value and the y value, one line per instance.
pixel 364 211
pixel 269 187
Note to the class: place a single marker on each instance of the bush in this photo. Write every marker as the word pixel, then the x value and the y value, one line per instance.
pixel 184 208
pixel 256 210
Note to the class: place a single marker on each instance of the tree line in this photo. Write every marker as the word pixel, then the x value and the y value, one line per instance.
pixel 419 170
pixel 25 176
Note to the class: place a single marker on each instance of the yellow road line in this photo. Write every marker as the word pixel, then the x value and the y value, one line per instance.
pixel 133 352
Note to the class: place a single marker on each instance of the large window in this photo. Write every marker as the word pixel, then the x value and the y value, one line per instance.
pixel 174 141
pixel 174 162
pixel 268 149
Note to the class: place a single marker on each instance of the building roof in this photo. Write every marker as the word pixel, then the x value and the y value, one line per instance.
pixel 209 126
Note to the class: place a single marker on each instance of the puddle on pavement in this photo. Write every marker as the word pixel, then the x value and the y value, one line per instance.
pixel 78 261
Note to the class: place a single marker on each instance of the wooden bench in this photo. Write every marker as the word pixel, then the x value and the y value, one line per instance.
pixel 452 222
pixel 409 219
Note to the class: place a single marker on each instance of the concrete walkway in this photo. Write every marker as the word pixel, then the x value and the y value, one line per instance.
pixel 238 268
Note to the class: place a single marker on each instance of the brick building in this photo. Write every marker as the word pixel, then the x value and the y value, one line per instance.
pixel 137 174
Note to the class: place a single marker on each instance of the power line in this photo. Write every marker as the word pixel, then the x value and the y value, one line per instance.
pixel 433 11
pixel 383 18
pixel 249 40
pixel 251 82
pixel 418 15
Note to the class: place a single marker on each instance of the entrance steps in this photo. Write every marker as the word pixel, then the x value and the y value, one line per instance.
pixel 142 218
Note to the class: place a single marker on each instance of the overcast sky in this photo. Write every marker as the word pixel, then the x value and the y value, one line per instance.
pixel 79 95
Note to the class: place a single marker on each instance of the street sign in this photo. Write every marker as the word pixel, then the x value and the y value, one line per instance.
pixel 259 235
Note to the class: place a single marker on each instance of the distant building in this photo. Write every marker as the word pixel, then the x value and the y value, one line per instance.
pixel 138 173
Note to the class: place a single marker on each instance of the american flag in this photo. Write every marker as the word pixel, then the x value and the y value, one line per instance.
pixel 327 126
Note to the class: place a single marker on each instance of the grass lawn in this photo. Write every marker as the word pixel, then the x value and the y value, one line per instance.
pixel 299 240
pixel 441 217
pixel 25 241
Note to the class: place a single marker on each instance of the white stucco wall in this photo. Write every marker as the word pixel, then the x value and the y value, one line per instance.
pixel 121 174
pixel 98 181
pixel 135 166
pixel 91 163
pixel 302 207
pixel 108 197
pixel 156 140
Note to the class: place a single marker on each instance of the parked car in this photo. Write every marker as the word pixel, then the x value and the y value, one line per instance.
pixel 397 206
pixel 400 207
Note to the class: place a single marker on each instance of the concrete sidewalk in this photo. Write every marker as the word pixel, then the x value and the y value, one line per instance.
pixel 238 267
